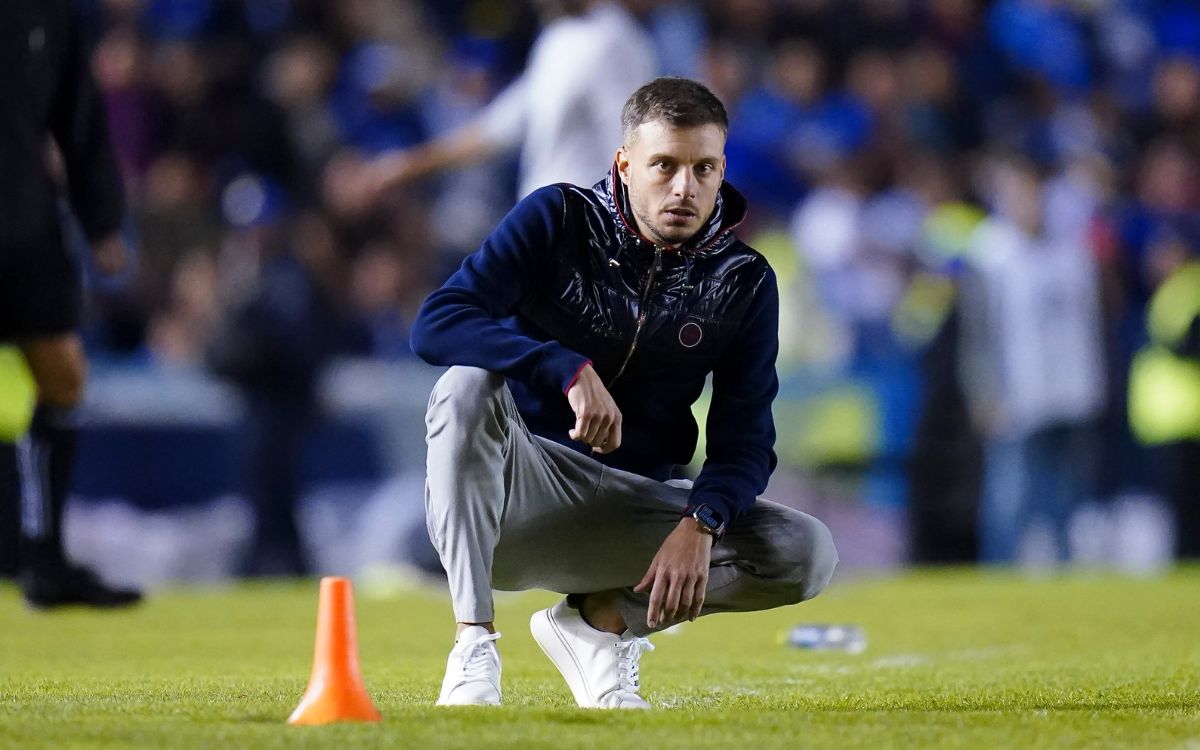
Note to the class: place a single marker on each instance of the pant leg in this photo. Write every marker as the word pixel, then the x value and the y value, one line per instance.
pixel 1184 495
pixel 274 433
pixel 1058 460
pixel 772 557
pixel 486 471
pixel 1002 511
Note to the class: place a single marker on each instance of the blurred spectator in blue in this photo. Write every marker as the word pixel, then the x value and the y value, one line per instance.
pixel 792 130
pixel 298 78
pixel 380 283
pixel 178 333
pixel 938 116
pixel 1043 38
pixel 1176 23
pixel 179 19
pixel 374 100
pixel 762 121
pixel 1174 109
pixel 1034 362
pixel 274 347
pixel 678 32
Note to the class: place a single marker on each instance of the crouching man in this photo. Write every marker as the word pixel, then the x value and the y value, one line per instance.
pixel 580 335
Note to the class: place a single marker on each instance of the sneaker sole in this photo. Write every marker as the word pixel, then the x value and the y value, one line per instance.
pixel 442 701
pixel 475 703
pixel 553 643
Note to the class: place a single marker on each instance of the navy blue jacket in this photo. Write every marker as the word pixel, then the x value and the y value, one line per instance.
pixel 566 280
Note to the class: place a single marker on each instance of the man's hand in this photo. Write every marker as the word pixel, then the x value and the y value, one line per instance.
pixel 597 418
pixel 344 189
pixel 678 575
pixel 355 185
pixel 392 169
pixel 110 254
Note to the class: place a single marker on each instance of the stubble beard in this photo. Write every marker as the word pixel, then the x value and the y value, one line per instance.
pixel 650 228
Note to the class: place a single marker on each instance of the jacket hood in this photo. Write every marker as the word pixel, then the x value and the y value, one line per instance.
pixel 714 236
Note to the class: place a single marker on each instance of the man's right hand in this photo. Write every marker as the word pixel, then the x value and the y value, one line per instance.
pixel 597 418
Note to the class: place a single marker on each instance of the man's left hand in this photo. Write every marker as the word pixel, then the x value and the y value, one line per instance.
pixel 678 575
pixel 110 254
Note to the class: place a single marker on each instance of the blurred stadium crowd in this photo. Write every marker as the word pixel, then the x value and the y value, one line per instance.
pixel 973 208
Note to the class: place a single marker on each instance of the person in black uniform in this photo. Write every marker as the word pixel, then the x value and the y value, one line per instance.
pixel 49 102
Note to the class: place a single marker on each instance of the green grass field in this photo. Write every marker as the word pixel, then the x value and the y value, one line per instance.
pixel 955 659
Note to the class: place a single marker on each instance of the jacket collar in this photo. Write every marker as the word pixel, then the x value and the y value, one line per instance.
pixel 713 237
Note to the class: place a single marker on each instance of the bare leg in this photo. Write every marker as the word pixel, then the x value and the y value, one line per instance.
pixel 59 368
pixel 601 611
pixel 488 626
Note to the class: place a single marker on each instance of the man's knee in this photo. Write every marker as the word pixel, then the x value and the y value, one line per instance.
pixel 804 556
pixel 469 416
pixel 822 558
pixel 465 393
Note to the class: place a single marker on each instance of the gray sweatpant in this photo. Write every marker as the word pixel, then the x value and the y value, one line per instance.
pixel 507 509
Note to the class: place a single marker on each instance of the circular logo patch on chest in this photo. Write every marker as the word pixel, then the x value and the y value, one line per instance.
pixel 690 335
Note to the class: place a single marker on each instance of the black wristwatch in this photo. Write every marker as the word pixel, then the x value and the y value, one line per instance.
pixel 709 520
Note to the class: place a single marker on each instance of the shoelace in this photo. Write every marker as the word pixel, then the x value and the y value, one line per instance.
pixel 628 655
pixel 477 661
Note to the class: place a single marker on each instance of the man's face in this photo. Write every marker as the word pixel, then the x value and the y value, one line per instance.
pixel 673 174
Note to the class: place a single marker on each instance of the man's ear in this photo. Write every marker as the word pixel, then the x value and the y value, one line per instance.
pixel 723 165
pixel 623 164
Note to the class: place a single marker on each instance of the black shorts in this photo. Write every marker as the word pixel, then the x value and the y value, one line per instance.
pixel 40 293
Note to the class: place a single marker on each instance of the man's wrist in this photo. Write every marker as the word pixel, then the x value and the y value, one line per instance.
pixel 578 374
pixel 694 528
pixel 707 520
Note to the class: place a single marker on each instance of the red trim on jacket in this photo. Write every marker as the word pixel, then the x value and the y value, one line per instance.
pixel 576 378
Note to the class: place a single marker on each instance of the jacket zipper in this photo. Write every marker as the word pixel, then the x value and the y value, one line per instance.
pixel 654 269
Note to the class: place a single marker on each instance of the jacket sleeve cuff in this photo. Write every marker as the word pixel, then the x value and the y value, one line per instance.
pixel 575 377
pixel 729 511
pixel 560 367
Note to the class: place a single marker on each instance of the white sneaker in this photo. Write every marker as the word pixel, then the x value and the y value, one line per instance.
pixel 600 668
pixel 473 670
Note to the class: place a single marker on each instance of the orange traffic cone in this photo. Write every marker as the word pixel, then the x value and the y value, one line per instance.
pixel 335 690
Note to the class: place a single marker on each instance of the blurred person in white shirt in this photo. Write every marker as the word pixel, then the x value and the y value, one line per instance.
pixel 1034 363
pixel 562 113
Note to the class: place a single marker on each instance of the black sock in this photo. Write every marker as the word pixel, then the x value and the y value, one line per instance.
pixel 45 459
pixel 10 510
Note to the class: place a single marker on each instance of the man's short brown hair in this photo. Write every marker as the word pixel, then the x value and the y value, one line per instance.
pixel 680 102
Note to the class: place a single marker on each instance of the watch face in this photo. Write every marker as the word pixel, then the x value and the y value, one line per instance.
pixel 708 517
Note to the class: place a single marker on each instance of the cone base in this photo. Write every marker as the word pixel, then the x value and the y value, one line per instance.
pixel 328 709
